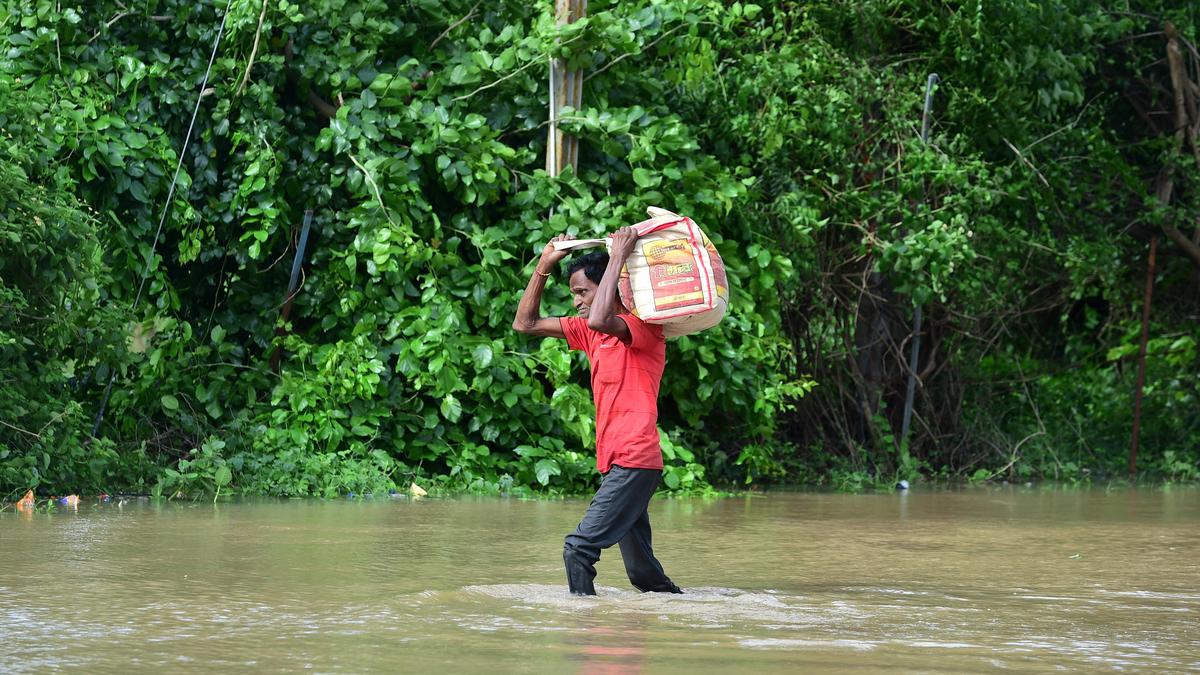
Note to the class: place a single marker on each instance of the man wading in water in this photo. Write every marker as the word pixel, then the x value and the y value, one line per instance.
pixel 627 357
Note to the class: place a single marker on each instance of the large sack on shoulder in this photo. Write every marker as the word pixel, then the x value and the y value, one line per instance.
pixel 674 277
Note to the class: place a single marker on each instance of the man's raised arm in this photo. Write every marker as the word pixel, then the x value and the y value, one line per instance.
pixel 603 315
pixel 529 319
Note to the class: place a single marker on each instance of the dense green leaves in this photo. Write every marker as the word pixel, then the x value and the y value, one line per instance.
pixel 1010 224
pixel 790 132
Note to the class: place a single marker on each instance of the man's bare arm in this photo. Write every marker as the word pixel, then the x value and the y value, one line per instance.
pixel 529 320
pixel 603 315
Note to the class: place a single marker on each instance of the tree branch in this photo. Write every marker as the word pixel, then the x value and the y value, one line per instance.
pixel 371 182
pixel 626 55
pixel 489 86
pixel 321 105
pixel 454 25
pixel 254 51
pixel 30 433
pixel 1183 129
pixel 109 24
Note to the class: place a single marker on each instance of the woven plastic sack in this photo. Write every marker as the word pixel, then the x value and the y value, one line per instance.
pixel 674 277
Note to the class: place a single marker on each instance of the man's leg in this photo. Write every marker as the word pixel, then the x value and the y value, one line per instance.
pixel 621 499
pixel 645 572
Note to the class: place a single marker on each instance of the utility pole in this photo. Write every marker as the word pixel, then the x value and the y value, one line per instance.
pixel 566 90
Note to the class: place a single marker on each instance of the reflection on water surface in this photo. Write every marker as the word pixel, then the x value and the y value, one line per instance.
pixel 1025 579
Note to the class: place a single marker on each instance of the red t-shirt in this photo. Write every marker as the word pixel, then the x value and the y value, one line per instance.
pixel 625 381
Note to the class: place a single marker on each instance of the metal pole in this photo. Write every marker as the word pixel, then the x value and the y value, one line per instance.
pixel 914 353
pixel 295 277
pixel 1141 374
pixel 293 280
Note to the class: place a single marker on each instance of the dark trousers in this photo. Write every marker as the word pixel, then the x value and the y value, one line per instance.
pixel 617 515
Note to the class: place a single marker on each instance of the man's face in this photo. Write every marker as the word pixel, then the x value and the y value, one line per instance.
pixel 583 290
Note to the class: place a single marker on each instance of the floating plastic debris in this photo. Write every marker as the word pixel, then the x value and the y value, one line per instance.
pixel 416 490
pixel 70 500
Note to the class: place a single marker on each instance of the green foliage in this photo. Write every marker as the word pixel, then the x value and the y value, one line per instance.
pixel 1001 227
pixel 790 132
pixel 1077 423
pixel 55 332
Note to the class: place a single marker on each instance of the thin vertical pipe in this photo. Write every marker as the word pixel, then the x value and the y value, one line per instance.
pixel 915 353
pixel 293 281
pixel 1141 374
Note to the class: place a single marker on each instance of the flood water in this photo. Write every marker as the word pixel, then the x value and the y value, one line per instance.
pixel 1026 579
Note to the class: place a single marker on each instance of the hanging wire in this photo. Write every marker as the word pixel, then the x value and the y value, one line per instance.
pixel 167 206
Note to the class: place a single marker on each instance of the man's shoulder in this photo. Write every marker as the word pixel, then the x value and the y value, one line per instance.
pixel 575 322
pixel 579 335
pixel 644 335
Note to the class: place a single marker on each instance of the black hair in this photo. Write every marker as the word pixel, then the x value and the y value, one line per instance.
pixel 593 265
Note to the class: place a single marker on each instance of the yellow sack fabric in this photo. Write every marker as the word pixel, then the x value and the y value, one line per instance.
pixel 674 277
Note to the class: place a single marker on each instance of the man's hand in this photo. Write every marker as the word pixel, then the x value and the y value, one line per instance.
pixel 550 256
pixel 529 319
pixel 623 241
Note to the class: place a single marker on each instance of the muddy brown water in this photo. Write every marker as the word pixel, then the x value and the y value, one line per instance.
pixel 1028 579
